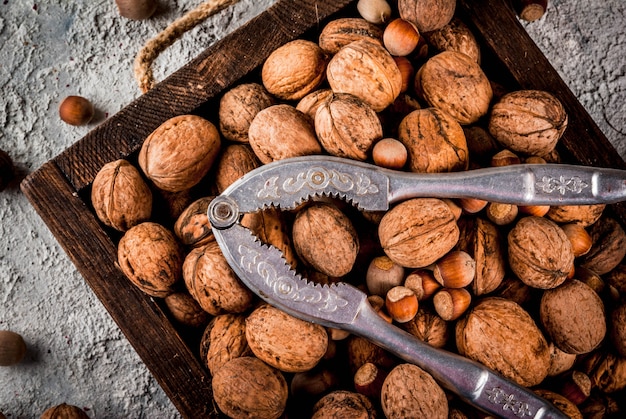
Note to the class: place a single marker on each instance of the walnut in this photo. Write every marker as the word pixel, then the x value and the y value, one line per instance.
pixel 608 247
pixel 212 283
pixel 283 341
pixel 64 411
pixel 120 196
pixel 365 69
pixel 340 32
pixel 282 131
pixel 224 338
pixel 340 404
pixel 453 82
pixel 504 337
pixel 236 160
pixel 238 106
pixel 409 391
pixel 246 387
pixel 617 328
pixel 560 402
pixel 180 152
pixel 185 309
pixel 573 316
pixel 584 215
pixel 311 102
pixel 294 69
pixel 540 254
pixel 427 15
pixel 435 142
pixel 483 241
pixel 324 238
pixel 417 232
pixel 428 327
pixel 347 127
pixel 528 121
pixel 606 369
pixel 270 227
pixel 149 255
pixel 361 351
pixel 455 36
pixel 192 226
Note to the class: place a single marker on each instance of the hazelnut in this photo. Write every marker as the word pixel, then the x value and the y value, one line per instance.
pixel 365 69
pixel 136 9
pixel 368 380
pixel 76 110
pixel 64 411
pixel 346 126
pixel 281 131
pixel 472 205
pixel 536 210
pixel 271 334
pixel 427 15
pixel 248 387
pixel 576 387
pixel 560 362
pixel 294 69
pixel 505 158
pixel 401 304
pixel 120 196
pixel 378 305
pixel 390 153
pixel 455 269
pixel 340 32
pixel 573 316
pixel 423 398
pixel 501 214
pixel 374 11
pixel 579 237
pixel 151 258
pixel 423 283
pixel 400 37
pixel 407 71
pixel 238 106
pixel 451 303
pixel 382 275
pixel 484 335
pixel 12 348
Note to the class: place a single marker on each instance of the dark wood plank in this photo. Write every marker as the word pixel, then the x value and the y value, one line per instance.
pixel 202 79
pixel 140 318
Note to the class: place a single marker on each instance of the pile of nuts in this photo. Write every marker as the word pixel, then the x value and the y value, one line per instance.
pixel 533 292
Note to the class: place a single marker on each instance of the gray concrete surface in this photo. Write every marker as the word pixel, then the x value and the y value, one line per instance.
pixel 51 49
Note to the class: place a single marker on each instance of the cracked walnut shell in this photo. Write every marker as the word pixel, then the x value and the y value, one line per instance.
pixel 120 196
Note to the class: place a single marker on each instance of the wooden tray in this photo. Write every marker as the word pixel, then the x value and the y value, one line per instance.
pixel 59 189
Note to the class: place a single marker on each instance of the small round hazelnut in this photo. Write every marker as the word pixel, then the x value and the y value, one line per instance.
pixel 406 70
pixel 400 37
pixel 501 214
pixel 505 158
pixel 423 283
pixel 579 237
pixel 368 380
pixel 12 348
pixel 382 275
pixel 64 411
pixel 136 9
pixel 76 110
pixel 390 153
pixel 451 303
pixel 472 205
pixel 401 304
pixel 456 269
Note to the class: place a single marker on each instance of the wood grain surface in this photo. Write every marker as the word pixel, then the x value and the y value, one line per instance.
pixel 59 189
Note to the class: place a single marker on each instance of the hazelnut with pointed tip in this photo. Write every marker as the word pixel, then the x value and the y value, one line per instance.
pixel 76 110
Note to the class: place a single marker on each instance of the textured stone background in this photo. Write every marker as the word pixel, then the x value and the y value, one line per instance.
pixel 51 49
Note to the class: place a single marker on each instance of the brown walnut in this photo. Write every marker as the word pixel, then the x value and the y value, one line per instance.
pixel 236 160
pixel 224 338
pixel 120 196
pixel 180 152
pixel 192 226
pixel 238 107
pixel 344 404
pixel 340 32
pixel 427 15
pixel 151 258
pixel 455 36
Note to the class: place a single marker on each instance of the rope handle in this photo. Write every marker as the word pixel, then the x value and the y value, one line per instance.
pixel 154 47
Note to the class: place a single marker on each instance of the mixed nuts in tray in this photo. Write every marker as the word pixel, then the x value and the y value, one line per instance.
pixel 533 292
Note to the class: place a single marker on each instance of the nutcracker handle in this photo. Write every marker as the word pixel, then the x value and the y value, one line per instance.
pixel 473 382
pixel 521 184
